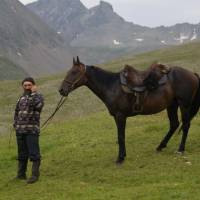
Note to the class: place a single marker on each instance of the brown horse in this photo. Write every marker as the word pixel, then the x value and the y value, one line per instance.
pixel 181 89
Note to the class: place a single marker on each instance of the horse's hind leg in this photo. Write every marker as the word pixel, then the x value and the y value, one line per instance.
pixel 185 127
pixel 172 112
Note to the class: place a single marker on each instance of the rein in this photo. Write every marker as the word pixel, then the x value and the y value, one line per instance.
pixel 63 99
pixel 60 103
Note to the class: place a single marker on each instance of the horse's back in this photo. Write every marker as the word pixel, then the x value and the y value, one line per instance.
pixel 180 75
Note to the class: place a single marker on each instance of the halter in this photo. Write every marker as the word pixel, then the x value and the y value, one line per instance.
pixel 72 84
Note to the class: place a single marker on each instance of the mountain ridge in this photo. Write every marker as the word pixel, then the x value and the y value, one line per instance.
pixel 101 30
pixel 29 42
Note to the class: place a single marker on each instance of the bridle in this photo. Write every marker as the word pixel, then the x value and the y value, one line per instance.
pixel 63 99
pixel 72 84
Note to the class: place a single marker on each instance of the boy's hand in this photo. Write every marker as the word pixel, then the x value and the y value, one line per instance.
pixel 34 88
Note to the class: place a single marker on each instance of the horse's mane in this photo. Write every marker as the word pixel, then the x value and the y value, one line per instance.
pixel 104 75
pixel 104 71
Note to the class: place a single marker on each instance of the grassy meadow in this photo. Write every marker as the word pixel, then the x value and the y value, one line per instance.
pixel 79 147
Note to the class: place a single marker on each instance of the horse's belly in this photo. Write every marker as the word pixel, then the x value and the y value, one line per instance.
pixel 158 100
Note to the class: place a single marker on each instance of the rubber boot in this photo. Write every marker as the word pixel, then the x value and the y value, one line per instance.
pixel 35 172
pixel 22 167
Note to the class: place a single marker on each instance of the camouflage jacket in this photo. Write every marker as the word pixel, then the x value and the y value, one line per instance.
pixel 27 113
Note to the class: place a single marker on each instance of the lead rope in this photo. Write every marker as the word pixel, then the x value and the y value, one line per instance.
pixel 60 103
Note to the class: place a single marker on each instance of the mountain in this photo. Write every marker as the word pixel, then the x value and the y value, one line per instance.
pixel 29 42
pixel 79 24
pixel 99 33
pixel 9 70
pixel 95 33
pixel 64 15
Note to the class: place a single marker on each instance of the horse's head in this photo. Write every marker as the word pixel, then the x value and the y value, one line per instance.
pixel 75 78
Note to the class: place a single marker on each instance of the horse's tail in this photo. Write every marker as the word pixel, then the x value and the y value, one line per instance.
pixel 196 102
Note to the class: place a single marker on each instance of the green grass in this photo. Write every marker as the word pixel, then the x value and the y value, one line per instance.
pixel 78 162
pixel 79 147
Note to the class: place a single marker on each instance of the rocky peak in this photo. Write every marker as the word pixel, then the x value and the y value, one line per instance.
pixel 62 15
pixel 56 8
pixel 105 6
pixel 60 2
pixel 103 14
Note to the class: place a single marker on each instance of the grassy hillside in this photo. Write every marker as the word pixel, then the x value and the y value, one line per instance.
pixel 186 56
pixel 79 146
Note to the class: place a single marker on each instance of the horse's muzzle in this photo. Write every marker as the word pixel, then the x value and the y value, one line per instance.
pixel 63 92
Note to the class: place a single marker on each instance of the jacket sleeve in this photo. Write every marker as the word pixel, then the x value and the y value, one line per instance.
pixel 38 102
pixel 16 114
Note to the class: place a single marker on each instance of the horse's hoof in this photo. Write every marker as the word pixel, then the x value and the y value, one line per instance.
pixel 160 148
pixel 119 161
pixel 179 152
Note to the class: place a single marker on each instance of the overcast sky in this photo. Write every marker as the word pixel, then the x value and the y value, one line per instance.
pixel 152 12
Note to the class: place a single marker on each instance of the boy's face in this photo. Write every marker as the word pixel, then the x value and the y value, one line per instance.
pixel 27 86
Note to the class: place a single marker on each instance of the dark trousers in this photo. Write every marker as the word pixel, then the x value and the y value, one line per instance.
pixel 28 147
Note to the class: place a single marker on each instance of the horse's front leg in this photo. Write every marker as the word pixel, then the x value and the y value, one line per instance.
pixel 120 121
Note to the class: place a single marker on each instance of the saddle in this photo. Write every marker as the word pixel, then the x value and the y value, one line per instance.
pixel 141 82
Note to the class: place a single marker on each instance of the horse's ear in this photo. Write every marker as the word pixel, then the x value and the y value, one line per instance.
pixel 74 62
pixel 78 61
